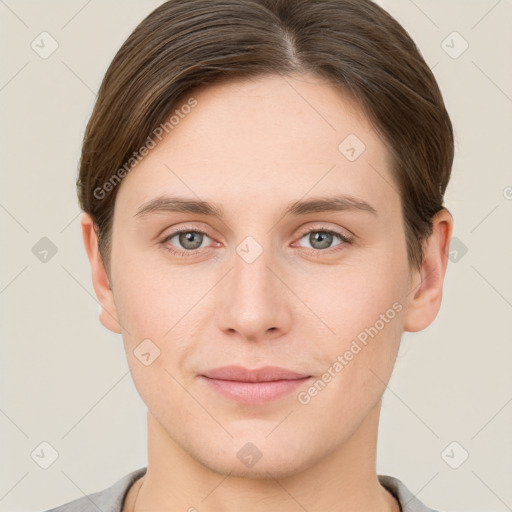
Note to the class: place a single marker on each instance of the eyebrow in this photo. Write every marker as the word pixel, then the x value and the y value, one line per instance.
pixel 163 204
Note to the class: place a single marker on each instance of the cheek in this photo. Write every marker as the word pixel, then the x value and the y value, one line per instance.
pixel 358 363
pixel 349 298
pixel 156 308
pixel 361 313
pixel 151 299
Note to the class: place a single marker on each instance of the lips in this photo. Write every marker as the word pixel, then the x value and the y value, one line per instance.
pixel 265 374
pixel 252 387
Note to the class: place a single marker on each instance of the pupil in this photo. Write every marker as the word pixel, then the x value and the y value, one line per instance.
pixel 187 240
pixel 320 236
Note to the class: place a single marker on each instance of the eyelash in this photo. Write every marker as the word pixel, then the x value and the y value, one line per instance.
pixel 191 253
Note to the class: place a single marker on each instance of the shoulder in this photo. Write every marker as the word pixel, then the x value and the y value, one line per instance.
pixel 408 501
pixel 107 500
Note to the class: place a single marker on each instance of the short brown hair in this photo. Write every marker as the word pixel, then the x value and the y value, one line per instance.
pixel 354 44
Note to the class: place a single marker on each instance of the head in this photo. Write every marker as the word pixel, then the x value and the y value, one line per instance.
pixel 254 112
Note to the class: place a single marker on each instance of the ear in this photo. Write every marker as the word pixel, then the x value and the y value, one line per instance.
pixel 108 315
pixel 427 283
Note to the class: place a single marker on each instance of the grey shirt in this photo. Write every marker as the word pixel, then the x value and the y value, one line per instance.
pixel 112 498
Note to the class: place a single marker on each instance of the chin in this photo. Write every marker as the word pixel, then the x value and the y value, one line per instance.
pixel 257 459
pixel 266 468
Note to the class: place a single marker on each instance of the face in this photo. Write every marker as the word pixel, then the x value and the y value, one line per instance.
pixel 320 289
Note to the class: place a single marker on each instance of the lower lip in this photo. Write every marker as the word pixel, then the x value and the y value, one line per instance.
pixel 255 392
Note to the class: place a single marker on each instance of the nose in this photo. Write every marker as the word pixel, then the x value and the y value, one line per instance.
pixel 254 302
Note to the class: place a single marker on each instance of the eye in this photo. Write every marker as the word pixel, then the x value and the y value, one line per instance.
pixel 322 239
pixel 189 240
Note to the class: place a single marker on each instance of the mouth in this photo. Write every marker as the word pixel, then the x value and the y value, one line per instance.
pixel 256 386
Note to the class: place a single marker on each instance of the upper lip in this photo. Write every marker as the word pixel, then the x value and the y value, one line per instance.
pixel 264 374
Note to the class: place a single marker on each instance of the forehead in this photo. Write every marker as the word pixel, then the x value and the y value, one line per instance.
pixel 265 140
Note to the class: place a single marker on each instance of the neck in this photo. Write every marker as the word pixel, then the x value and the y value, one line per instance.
pixel 344 479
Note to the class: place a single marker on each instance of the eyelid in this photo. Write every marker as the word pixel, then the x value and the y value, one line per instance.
pixel 335 250
pixel 344 239
pixel 349 236
pixel 186 229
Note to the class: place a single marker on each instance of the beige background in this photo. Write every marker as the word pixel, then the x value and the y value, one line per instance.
pixel 64 378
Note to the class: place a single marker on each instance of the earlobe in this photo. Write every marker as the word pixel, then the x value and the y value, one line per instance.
pixel 424 299
pixel 108 313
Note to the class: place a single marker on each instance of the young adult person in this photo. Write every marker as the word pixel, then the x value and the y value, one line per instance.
pixel 262 190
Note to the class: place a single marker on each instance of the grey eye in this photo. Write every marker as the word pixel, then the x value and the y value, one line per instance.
pixel 321 239
pixel 190 239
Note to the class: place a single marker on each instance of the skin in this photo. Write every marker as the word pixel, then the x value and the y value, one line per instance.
pixel 252 147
